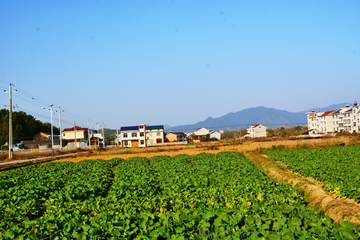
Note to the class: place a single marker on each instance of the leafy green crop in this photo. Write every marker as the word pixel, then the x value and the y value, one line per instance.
pixel 206 196
pixel 337 167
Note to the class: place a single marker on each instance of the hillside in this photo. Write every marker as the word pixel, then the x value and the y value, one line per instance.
pixel 24 127
pixel 269 117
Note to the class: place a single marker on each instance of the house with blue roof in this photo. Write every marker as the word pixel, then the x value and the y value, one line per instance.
pixel 133 136
pixel 154 134
pixel 141 135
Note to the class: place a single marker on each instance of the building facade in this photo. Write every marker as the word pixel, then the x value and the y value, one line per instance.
pixel 201 132
pixel 344 119
pixel 176 137
pixel 256 131
pixel 141 135
pixel 154 134
pixel 133 136
pixel 215 134
pixel 80 133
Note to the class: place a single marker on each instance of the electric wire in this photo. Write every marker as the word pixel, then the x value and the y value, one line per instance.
pixel 32 96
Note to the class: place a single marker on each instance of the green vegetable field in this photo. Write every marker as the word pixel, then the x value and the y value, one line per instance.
pixel 206 196
pixel 337 167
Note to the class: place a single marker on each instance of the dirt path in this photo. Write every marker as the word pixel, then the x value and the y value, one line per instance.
pixel 338 209
pixel 212 147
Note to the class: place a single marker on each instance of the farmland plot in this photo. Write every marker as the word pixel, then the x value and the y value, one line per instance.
pixel 338 168
pixel 183 197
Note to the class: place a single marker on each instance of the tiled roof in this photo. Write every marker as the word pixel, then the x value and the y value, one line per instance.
pixel 77 129
pixel 178 133
pixel 254 126
pixel 129 128
pixel 201 128
pixel 328 113
pixel 154 127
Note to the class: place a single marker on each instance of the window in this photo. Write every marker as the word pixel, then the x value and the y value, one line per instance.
pixel 158 134
pixel 125 143
pixel 125 136
pixel 134 134
pixel 141 127
pixel 141 134
pixel 142 142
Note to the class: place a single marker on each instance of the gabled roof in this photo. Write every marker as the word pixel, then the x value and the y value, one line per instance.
pixel 256 125
pixel 178 133
pixel 328 113
pixel 129 128
pixel 213 131
pixel 77 129
pixel 155 127
pixel 201 128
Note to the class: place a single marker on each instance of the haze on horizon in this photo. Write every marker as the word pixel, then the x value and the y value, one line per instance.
pixel 176 62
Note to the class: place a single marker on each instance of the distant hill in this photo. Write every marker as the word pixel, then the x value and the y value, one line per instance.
pixel 329 108
pixel 24 127
pixel 269 117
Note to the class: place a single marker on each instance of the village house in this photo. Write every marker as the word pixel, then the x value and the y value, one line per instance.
pixel 215 134
pixel 256 131
pixel 40 144
pixel 133 136
pixel 176 137
pixel 201 132
pixel 344 119
pixel 75 132
pixel 141 135
pixel 154 134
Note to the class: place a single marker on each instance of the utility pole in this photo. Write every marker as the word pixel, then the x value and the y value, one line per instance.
pixel 52 132
pixel 117 137
pixel 89 146
pixel 10 123
pixel 97 132
pixel 75 135
pixel 240 131
pixel 60 128
pixel 103 133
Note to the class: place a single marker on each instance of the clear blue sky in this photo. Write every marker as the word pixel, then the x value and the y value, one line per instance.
pixel 177 62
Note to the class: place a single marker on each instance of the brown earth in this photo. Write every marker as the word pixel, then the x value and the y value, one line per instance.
pixel 211 147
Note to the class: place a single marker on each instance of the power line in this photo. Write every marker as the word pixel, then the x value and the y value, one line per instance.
pixel 32 96
pixel 34 113
pixel 27 101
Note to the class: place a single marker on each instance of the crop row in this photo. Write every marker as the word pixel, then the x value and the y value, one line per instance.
pixel 206 196
pixel 337 167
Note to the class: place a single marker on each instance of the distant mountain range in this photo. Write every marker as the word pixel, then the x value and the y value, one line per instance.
pixel 269 117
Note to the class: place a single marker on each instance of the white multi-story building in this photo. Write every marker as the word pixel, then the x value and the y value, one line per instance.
pixel 133 136
pixel 141 135
pixel 256 131
pixel 154 134
pixel 344 119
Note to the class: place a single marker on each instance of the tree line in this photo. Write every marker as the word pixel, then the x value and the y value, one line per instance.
pixel 24 126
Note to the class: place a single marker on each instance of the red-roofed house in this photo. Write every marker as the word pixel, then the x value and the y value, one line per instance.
pixel 81 133
pixel 256 131
pixel 344 119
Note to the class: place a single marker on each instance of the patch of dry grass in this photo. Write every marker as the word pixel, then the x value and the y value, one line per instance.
pixel 211 147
